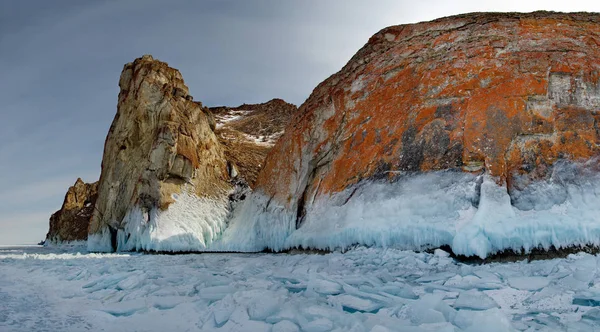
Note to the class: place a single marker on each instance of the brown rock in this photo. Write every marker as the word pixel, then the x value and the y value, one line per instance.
pixel 160 149
pixel 264 122
pixel 71 222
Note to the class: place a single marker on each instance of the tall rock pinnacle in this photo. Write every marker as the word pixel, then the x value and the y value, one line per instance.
pixel 164 183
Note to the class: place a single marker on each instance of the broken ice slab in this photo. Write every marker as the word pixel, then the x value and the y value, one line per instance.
pixel 528 283
pixel 474 300
pixel 351 303
pixel 436 277
pixel 592 314
pixel 587 298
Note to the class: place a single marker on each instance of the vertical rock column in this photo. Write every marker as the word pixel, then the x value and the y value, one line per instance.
pixel 164 184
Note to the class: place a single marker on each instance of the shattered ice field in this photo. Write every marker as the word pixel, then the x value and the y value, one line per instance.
pixel 363 289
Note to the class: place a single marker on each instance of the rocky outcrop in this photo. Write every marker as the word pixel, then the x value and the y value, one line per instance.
pixel 508 93
pixel 165 181
pixel 505 94
pixel 248 132
pixel 71 222
pixel 264 122
pixel 479 133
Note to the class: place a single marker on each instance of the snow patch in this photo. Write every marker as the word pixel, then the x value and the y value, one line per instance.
pixel 232 116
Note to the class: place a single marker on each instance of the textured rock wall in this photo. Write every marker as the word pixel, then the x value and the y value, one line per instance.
pixel 71 222
pixel 506 94
pixel 160 148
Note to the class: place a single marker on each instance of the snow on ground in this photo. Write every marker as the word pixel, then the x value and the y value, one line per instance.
pixel 54 289
pixel 224 118
pixel 263 140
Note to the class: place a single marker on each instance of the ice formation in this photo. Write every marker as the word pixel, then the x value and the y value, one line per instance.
pixel 472 214
pixel 363 289
pixel 251 229
pixel 189 224
pixel 100 242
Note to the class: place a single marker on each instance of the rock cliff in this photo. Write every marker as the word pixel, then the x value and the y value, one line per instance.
pixel 172 170
pixel 165 181
pixel 507 95
pixel 71 222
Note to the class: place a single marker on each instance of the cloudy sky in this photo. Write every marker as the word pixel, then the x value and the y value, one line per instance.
pixel 60 62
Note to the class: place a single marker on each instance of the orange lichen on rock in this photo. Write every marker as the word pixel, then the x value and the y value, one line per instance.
pixel 502 93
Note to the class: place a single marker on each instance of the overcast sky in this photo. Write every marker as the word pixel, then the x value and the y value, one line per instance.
pixel 60 63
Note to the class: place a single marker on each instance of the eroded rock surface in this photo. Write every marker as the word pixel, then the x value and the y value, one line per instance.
pixel 248 132
pixel 506 93
pixel 165 180
pixel 172 170
pixel 71 222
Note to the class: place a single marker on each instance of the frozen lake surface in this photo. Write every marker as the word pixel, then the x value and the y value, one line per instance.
pixel 54 289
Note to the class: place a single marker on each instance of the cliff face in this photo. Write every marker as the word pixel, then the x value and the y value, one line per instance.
pixel 71 222
pixel 508 95
pixel 172 170
pixel 165 180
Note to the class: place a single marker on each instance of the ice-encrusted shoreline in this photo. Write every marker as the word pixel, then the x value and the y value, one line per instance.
pixel 471 214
